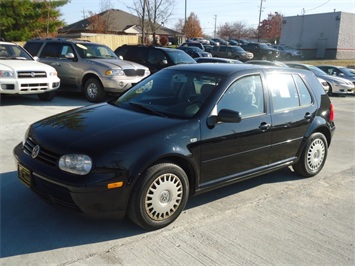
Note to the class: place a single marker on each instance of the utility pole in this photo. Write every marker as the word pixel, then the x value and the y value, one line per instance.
pixel 260 10
pixel 215 26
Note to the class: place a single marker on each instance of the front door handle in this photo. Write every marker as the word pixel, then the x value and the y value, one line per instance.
pixel 264 126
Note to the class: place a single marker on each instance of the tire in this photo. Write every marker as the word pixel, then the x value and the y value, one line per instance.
pixel 160 197
pixel 313 156
pixel 94 91
pixel 46 96
pixel 330 91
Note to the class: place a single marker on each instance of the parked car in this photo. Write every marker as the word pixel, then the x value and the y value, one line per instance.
pixel 231 51
pixel 266 63
pixel 88 67
pixel 220 41
pixel 194 44
pixel 336 84
pixel 281 64
pixel 153 57
pixel 339 71
pixel 287 52
pixel 184 130
pixel 195 51
pixel 261 51
pixel 217 60
pixel 20 73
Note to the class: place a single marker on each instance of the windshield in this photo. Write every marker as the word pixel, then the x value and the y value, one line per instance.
pixel 91 50
pixel 170 93
pixel 316 70
pixel 10 52
pixel 180 57
pixel 348 72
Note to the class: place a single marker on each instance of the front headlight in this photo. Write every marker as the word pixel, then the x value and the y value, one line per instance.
pixel 6 74
pixel 53 73
pixel 115 72
pixel 79 164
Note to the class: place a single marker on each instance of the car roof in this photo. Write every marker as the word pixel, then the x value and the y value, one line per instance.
pixel 226 69
pixel 7 43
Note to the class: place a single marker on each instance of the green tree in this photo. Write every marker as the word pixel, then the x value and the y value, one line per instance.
pixel 24 19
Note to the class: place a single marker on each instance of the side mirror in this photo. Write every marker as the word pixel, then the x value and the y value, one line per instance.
pixel 120 57
pixel 164 62
pixel 225 116
pixel 69 56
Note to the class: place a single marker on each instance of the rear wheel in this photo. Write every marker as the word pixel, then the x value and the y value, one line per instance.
pixel 313 156
pixel 94 91
pixel 47 96
pixel 160 197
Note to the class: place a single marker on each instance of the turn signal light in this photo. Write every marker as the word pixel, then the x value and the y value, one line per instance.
pixel 115 185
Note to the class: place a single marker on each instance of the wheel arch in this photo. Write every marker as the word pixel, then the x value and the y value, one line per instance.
pixel 86 77
pixel 179 160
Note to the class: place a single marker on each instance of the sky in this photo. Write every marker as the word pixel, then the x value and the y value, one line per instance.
pixel 214 13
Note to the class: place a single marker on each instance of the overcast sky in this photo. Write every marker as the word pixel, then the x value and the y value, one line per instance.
pixel 218 12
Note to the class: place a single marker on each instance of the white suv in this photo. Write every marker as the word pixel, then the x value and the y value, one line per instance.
pixel 20 73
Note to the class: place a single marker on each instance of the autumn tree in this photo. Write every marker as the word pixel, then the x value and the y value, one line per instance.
pixel 21 20
pixel 270 28
pixel 192 27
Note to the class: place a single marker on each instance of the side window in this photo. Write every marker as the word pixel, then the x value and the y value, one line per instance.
pixel 245 96
pixel 156 57
pixel 283 90
pixel 223 48
pixel 51 50
pixel 305 96
pixel 65 49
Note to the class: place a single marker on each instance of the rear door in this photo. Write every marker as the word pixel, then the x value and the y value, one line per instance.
pixel 293 110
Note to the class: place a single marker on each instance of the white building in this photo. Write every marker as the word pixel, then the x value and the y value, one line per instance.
pixel 327 35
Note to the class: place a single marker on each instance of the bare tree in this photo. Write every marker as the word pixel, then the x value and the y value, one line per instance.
pixel 100 24
pixel 153 14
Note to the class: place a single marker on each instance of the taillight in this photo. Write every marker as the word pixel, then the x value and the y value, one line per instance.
pixel 331 114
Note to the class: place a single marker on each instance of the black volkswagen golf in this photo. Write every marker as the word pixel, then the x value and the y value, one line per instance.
pixel 185 130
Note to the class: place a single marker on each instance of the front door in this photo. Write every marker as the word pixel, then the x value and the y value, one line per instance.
pixel 230 150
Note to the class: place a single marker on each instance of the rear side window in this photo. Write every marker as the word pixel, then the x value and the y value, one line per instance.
pixel 288 91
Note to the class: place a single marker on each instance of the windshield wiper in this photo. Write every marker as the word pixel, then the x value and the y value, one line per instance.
pixel 146 108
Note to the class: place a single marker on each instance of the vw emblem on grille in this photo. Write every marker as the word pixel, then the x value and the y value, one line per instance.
pixel 33 74
pixel 35 151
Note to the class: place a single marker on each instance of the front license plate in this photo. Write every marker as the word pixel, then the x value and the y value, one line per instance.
pixel 24 175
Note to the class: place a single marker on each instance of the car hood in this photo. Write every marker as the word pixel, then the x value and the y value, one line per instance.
pixel 334 79
pixel 88 129
pixel 25 65
pixel 115 63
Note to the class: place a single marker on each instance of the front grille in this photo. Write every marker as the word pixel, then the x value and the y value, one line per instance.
pixel 44 155
pixel 134 72
pixel 34 87
pixel 31 74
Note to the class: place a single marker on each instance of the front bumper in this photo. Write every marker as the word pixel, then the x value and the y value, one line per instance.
pixel 85 194
pixel 28 86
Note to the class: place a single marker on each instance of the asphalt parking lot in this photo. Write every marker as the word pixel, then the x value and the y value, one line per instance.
pixel 274 219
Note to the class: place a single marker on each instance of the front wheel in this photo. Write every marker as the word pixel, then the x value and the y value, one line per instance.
pixel 46 96
pixel 94 91
pixel 160 197
pixel 313 156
